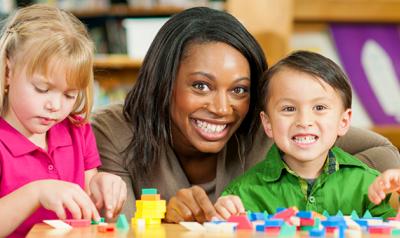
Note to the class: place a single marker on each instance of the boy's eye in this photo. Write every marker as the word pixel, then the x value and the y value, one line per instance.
pixel 41 90
pixel 201 86
pixel 320 107
pixel 288 109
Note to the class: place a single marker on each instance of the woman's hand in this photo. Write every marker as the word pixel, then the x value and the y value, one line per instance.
pixel 387 182
pixel 190 204
pixel 56 195
pixel 229 205
pixel 108 191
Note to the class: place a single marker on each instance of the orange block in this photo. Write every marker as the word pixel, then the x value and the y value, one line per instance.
pixel 150 197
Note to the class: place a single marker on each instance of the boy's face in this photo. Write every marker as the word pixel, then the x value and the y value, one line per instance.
pixel 304 116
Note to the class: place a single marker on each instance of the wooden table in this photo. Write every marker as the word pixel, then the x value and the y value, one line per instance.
pixel 156 231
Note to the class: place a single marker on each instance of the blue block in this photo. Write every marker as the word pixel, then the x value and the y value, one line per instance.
pixel 362 222
pixel 304 214
pixel 316 233
pixel 280 209
pixel 274 223
pixel 254 216
pixel 260 228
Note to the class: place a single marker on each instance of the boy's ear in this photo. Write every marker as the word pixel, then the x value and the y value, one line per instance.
pixel 266 123
pixel 345 122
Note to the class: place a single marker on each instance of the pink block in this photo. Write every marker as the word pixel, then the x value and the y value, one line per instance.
pixel 242 221
pixel 78 222
pixel 379 230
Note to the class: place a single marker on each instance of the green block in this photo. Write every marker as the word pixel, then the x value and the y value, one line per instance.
pixel 317 223
pixel 367 215
pixel 339 213
pixel 354 215
pixel 287 231
pixel 122 223
pixel 306 228
pixel 96 223
pixel 395 232
pixel 149 191
pixel 325 213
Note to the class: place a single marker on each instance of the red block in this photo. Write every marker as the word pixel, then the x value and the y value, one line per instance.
pixel 285 214
pixel 78 222
pixel 306 221
pixel 379 230
pixel 272 230
pixel 330 229
pixel 242 221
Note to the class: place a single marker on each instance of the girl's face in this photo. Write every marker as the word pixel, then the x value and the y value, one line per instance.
pixel 37 103
pixel 211 97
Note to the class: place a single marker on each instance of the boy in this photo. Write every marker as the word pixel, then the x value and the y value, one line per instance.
pixel 306 100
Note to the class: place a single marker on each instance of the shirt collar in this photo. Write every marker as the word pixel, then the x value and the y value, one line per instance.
pixel 19 145
pixel 275 163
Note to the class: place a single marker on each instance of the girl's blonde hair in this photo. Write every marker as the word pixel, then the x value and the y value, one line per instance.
pixel 37 37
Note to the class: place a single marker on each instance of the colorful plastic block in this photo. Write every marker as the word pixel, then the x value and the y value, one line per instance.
pixel 149 191
pixel 242 221
pixel 122 222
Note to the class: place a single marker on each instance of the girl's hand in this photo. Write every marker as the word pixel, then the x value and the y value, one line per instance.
pixel 229 205
pixel 387 182
pixel 190 204
pixel 56 195
pixel 108 191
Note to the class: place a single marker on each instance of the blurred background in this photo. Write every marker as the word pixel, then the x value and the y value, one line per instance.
pixel 362 36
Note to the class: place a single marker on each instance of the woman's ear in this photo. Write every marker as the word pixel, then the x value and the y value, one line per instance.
pixel 345 121
pixel 266 123
pixel 8 72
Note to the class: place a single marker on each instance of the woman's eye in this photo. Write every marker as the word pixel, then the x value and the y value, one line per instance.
pixel 320 107
pixel 41 90
pixel 240 90
pixel 201 86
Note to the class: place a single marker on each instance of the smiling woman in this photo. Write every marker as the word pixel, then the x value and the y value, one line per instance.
pixel 191 123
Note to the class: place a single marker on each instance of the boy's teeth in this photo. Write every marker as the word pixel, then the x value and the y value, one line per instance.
pixel 304 139
pixel 210 128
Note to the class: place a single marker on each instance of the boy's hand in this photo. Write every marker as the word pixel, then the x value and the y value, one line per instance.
pixel 229 205
pixel 190 204
pixel 387 182
pixel 56 195
pixel 108 191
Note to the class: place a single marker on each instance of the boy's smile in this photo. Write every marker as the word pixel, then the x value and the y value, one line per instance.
pixel 304 116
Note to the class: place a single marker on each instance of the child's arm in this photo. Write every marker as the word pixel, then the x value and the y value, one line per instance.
pixel 107 190
pixel 229 205
pixel 387 182
pixel 53 195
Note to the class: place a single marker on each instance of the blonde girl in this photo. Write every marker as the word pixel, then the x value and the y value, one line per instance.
pixel 48 155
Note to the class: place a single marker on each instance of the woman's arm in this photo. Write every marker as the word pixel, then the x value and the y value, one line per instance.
pixel 371 148
pixel 110 133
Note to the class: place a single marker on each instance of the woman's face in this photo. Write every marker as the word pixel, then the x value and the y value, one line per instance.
pixel 211 97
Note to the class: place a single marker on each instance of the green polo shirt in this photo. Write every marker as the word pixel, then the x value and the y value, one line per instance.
pixel 343 185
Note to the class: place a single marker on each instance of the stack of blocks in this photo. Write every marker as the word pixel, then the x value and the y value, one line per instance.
pixel 150 209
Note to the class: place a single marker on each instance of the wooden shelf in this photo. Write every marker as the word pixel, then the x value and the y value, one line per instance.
pixel 373 11
pixel 392 132
pixel 116 62
pixel 125 11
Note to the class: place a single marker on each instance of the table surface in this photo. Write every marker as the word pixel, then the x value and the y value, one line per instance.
pixel 159 231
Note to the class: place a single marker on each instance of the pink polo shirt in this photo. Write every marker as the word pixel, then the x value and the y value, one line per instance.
pixel 71 151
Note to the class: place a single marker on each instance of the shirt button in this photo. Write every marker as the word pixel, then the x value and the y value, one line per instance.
pixel 50 167
pixel 311 199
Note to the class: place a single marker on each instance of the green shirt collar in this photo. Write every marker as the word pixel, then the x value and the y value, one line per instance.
pixel 277 164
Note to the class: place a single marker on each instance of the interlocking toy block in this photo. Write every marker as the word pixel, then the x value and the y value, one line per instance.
pixel 78 222
pixel 304 214
pixel 306 222
pixel 316 233
pixel 242 221
pixel 367 215
pixel 379 229
pixel 93 222
pixel 149 191
pixel 354 215
pixel 150 197
pixel 285 214
pixel 274 222
pixel 339 213
pixel 122 222
pixel 105 227
pixel 287 231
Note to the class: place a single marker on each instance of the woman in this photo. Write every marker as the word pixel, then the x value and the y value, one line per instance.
pixel 190 124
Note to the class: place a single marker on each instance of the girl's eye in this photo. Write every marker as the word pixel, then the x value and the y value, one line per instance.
pixel 289 109
pixel 71 95
pixel 240 90
pixel 201 86
pixel 320 107
pixel 41 90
